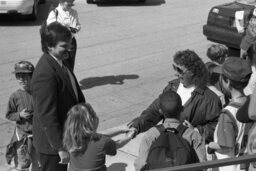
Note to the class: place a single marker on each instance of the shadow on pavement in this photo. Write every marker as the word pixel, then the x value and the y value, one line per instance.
pixel 19 20
pixel 106 3
pixel 117 167
pixel 88 83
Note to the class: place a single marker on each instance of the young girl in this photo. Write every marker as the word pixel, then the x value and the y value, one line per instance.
pixel 68 17
pixel 88 148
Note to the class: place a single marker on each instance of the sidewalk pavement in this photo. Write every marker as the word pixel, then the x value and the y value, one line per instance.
pixel 124 159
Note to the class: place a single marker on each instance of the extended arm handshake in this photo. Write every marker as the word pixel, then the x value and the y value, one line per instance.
pixel 120 142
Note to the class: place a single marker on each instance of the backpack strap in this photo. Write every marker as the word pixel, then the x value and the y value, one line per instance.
pixel 227 112
pixel 181 129
pixel 235 104
pixel 230 115
pixel 160 128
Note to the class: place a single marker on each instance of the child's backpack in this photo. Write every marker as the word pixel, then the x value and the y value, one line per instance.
pixel 170 149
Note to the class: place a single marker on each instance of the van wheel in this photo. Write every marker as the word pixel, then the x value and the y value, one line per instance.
pixel 33 15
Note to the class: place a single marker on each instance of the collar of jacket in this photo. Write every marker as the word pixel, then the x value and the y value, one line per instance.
pixel 174 84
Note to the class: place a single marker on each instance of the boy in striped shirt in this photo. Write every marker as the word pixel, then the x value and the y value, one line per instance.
pixel 20 110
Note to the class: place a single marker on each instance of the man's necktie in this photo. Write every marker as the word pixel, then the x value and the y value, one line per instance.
pixel 70 77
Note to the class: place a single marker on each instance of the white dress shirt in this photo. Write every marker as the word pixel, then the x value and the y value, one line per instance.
pixel 67 18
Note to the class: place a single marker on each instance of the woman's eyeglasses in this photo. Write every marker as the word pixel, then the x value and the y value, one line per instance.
pixel 179 70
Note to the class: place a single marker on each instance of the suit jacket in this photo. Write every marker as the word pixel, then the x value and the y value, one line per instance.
pixel 53 96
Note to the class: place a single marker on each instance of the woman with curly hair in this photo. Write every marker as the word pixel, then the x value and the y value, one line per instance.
pixel 201 105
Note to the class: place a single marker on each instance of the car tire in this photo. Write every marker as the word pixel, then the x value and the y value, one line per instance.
pixel 42 1
pixel 33 15
pixel 90 1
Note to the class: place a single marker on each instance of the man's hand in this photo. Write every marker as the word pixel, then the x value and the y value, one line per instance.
pixel 25 114
pixel 64 157
pixel 134 123
pixel 131 125
pixel 132 133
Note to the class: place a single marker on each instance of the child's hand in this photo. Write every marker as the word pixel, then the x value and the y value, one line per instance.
pixel 132 133
pixel 25 114
pixel 214 145
pixel 240 29
pixel 64 157
pixel 123 129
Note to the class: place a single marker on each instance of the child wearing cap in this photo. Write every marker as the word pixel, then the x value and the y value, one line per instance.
pixel 229 132
pixel 20 110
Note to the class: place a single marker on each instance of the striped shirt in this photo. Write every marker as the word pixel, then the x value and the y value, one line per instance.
pixel 18 101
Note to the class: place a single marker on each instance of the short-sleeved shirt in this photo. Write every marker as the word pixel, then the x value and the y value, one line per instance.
pixel 226 131
pixel 229 132
pixel 94 157
pixel 19 100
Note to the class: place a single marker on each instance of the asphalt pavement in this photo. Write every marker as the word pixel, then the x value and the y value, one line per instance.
pixel 123 59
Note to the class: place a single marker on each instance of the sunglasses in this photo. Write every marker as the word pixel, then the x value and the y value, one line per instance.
pixel 179 70
pixel 23 75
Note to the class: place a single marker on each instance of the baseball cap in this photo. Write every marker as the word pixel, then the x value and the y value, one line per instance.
pixel 23 67
pixel 234 68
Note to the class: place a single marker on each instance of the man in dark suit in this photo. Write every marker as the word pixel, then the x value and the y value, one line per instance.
pixel 54 90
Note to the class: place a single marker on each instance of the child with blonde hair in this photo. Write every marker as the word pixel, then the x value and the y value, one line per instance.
pixel 88 148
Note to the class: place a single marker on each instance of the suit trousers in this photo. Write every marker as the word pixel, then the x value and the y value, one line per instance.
pixel 51 163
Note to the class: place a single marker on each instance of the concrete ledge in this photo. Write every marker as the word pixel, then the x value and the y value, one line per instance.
pixel 124 159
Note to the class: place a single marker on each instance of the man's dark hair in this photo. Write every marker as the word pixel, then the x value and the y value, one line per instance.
pixel 170 104
pixel 52 34
pixel 191 61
